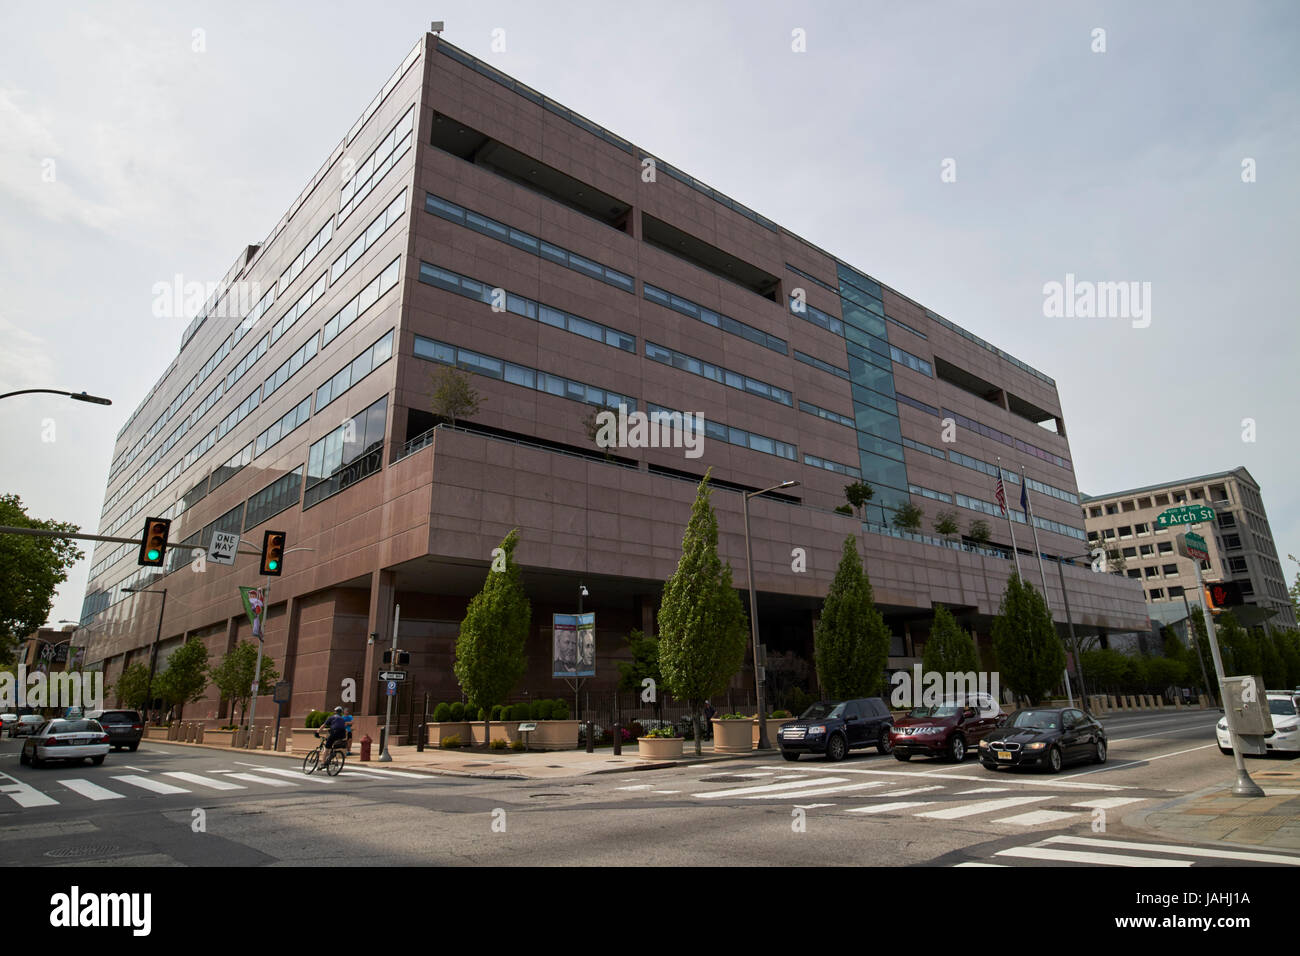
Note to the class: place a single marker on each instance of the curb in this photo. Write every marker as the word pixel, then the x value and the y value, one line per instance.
pixel 1137 820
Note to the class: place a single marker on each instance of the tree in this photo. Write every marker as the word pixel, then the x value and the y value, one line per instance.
pixel 1028 649
pixel 644 664
pixel 979 531
pixel 858 494
pixel 592 427
pixel 1238 646
pixel 454 395
pixel 945 523
pixel 1272 668
pixel 949 649
pixel 702 624
pixel 908 517
pixel 850 640
pixel 1288 646
pixel 844 510
pixel 132 687
pixel 491 649
pixel 185 678
pixel 31 569
pixel 234 676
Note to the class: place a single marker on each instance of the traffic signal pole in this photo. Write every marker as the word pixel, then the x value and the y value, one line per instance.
pixel 384 755
pixel 261 642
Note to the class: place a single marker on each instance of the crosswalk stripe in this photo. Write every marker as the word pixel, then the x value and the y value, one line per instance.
pixel 770 788
pixel 665 792
pixel 891 807
pixel 358 773
pixel 1106 803
pixel 812 806
pixel 1083 856
pixel 390 773
pixel 964 793
pixel 268 781
pixel 1213 853
pixel 144 783
pixel 982 806
pixel 974 863
pixel 761 773
pixel 909 791
pixel 1035 817
pixel 92 791
pixel 815 792
pixel 640 786
pixel 203 781
pixel 27 796
pixel 292 774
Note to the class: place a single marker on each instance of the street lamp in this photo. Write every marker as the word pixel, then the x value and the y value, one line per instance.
pixel 76 396
pixel 153 655
pixel 1074 641
pixel 753 613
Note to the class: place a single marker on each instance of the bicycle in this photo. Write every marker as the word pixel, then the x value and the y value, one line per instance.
pixel 333 762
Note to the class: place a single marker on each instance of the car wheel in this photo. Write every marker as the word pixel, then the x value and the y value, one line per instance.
pixel 899 755
pixel 836 749
pixel 885 744
pixel 789 756
pixel 23 758
pixel 1100 755
pixel 97 761
pixel 989 766
pixel 134 747
pixel 1054 760
pixel 957 748
pixel 35 761
pixel 1226 751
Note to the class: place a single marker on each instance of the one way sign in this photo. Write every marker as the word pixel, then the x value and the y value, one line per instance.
pixel 224 546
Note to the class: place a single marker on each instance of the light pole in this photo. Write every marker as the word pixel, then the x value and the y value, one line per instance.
pixel 77 396
pixel 753 613
pixel 153 654
pixel 1069 620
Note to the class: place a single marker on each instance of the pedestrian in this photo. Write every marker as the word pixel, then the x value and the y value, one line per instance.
pixel 347 718
pixel 708 719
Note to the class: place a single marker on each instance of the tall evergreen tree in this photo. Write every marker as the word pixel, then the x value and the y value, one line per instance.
pixel 490 651
pixel 949 650
pixel 1027 646
pixel 702 623
pixel 185 678
pixel 850 641
pixel 644 663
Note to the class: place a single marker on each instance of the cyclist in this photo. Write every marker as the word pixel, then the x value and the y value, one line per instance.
pixel 337 726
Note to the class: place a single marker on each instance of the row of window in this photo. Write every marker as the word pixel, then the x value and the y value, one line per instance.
pixel 829 322
pixel 296 416
pixel 238 413
pixel 989 508
pixel 356 370
pixel 715 319
pixel 279 495
pixel 519 374
pixel 347 454
pixel 359 303
pixel 248 361
pixel 368 238
pixel 738 436
pixel 835 466
pixel 377 164
pixel 452 212
pixel 523 306
pixel 825 413
pixel 717 373
pixel 929 493
pixel 972 337
pixel 230 467
pixel 820 365
pixel 971 425
pixel 290 366
pixel 299 308
pixel 201 448
pixel 304 258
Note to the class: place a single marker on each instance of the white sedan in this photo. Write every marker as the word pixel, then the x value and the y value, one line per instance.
pixel 1285 710
pixel 66 740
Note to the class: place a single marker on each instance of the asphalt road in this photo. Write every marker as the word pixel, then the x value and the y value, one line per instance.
pixel 165 806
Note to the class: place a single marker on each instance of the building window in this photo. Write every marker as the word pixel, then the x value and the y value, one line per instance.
pixel 1130 552
pixel 1175 590
pixel 716 319
pixel 296 416
pixel 346 455
pixel 1094 511
pixel 1157 594
pixel 1227 519
pixel 1237 565
pixel 1141 529
pixel 359 303
pixel 368 238
pixel 1231 542
pixel 1170 570
pixel 1151 572
pixel 1147 550
pixel 377 165
pixel 356 370
pixel 274 498
pixel 305 257
pixel 1165 547
pixel 1125 531
pixel 1112 509
pixel 1137 573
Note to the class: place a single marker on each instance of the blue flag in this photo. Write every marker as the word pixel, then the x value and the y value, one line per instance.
pixel 1024 494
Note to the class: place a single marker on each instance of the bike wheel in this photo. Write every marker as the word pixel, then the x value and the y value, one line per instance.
pixel 335 763
pixel 310 761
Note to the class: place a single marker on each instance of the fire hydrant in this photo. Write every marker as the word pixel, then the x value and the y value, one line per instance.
pixel 365 747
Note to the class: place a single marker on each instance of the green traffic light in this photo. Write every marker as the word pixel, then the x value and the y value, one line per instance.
pixel 153 555
pixel 273 564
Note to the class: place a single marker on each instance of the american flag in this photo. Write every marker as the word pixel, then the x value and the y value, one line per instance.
pixel 1001 493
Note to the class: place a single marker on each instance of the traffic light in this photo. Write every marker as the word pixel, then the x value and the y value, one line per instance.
pixel 403 658
pixel 1225 594
pixel 273 553
pixel 153 542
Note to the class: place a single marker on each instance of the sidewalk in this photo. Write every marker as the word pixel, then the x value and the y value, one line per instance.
pixel 506 765
pixel 1215 815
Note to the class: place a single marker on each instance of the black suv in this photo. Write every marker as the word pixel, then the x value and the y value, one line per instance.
pixel 124 727
pixel 834 727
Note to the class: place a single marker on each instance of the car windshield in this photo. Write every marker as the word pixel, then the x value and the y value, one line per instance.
pixel 73 726
pixel 823 709
pixel 1036 720
pixel 1281 707
pixel 942 710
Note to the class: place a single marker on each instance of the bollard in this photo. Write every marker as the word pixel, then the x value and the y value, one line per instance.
pixel 618 739
pixel 365 747
pixel 591 744
pixel 419 740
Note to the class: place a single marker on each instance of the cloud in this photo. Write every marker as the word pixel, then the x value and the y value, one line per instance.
pixel 25 360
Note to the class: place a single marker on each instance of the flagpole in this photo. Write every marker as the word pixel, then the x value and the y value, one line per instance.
pixel 1015 553
pixel 1029 516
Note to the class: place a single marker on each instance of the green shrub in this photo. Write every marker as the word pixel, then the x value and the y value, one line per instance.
pixel 457 711
pixel 315 718
pixel 735 717
pixel 482 714
pixel 531 708
pixel 545 709
pixel 517 745
pixel 780 714
pixel 499 744
pixel 497 711
pixel 661 732
pixel 451 743
pixel 561 711
pixel 442 713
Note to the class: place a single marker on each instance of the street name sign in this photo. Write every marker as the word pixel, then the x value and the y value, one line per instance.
pixel 224 546
pixel 392 675
pixel 1184 514
pixel 1192 545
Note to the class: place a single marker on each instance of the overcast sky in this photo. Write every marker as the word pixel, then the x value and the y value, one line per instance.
pixel 128 157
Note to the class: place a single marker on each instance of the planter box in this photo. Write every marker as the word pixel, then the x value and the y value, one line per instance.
pixel 734 736
pixel 436 733
pixel 549 735
pixel 773 725
pixel 660 748
pixel 157 733
pixel 220 738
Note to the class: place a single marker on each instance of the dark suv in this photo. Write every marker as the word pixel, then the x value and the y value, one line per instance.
pixel 834 727
pixel 124 727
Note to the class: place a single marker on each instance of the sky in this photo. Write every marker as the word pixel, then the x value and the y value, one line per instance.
pixel 967 154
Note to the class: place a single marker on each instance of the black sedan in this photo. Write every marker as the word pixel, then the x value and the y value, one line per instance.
pixel 1045 737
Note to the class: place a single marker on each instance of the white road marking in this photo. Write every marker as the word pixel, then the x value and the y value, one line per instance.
pixel 293 774
pixel 761 773
pixel 1035 817
pixel 982 806
pixel 390 773
pixel 92 791
pixel 999 865
pixel 816 792
pixel 1107 803
pixel 1131 763
pixel 203 781
pixel 769 788
pixel 1080 856
pixel 642 786
pixel 269 781
pixel 812 806
pixel 909 791
pixel 891 807
pixel 1211 852
pixel 965 793
pixel 665 791
pixel 24 794
pixel 144 783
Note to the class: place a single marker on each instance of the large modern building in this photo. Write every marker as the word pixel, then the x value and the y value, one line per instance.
pixel 1239 543
pixel 468 220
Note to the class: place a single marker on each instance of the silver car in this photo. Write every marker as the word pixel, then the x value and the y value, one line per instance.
pixel 27 725
pixel 66 740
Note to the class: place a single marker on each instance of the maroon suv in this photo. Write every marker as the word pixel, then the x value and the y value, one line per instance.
pixel 949 729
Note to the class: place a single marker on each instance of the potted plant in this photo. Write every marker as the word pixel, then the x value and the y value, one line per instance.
pixel 733 734
pixel 774 721
pixel 449 720
pixel 662 743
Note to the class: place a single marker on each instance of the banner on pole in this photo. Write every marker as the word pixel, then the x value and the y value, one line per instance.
pixel 255 608
pixel 573 641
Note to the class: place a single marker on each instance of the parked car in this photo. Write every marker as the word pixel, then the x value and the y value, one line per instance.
pixel 1284 706
pixel 7 723
pixel 834 727
pixel 61 739
pixel 27 725
pixel 125 728
pixel 950 729
pixel 1044 737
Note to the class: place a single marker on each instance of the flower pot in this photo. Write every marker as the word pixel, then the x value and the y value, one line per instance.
pixel 660 748
pixel 733 736
pixel 220 738
pixel 156 733
pixel 439 731
pixel 773 725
